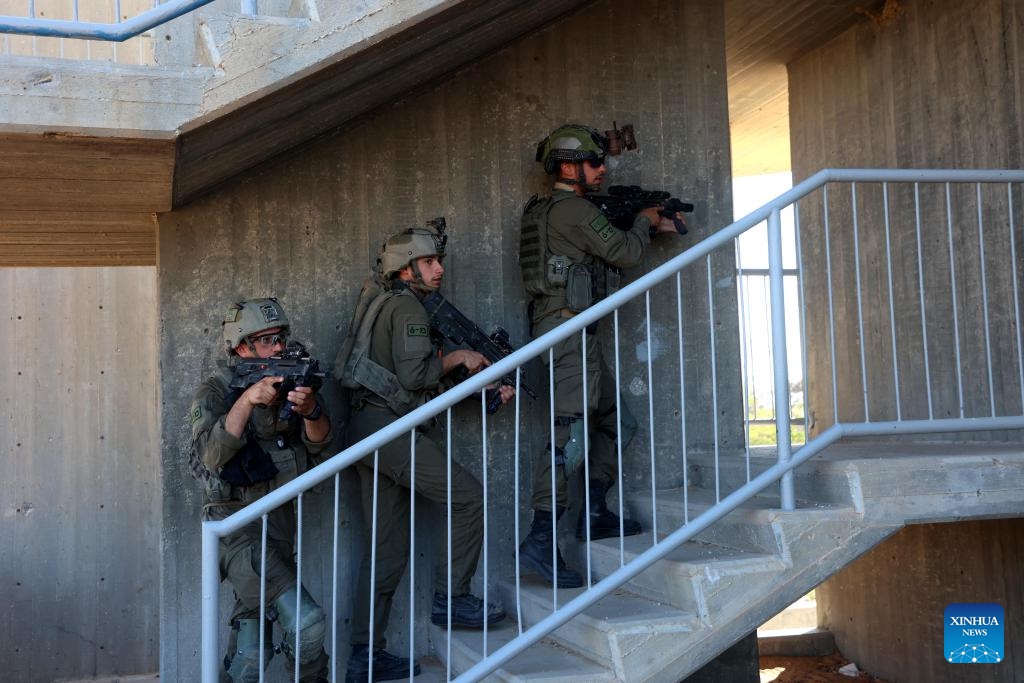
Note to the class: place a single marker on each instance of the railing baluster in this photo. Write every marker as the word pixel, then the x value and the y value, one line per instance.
pixel 650 423
pixel 921 290
pixel 554 490
pixel 263 595
pixel 682 403
pixel 984 301
pixel 483 471
pixel 892 304
pixel 714 379
pixel 618 430
pixel 448 549
pixel 781 364
pixel 373 562
pixel 334 578
pixel 831 307
pixel 586 456
pixel 412 553
pixel 802 306
pixel 298 581
pixel 956 308
pixel 210 603
pixel 746 380
pixel 1016 291
pixel 860 303
pixel 515 515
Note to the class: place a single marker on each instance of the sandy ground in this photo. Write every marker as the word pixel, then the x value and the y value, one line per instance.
pixel 810 670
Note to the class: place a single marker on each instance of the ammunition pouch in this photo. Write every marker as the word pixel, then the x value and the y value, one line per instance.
pixel 579 290
pixel 250 465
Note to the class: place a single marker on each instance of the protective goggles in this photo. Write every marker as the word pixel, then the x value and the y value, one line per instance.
pixel 271 339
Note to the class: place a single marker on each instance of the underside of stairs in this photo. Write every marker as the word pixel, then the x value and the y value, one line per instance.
pixel 684 610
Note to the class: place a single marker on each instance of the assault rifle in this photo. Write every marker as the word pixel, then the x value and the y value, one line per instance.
pixel 450 324
pixel 624 202
pixel 294 365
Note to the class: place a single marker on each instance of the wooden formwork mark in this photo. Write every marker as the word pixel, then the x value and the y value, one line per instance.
pixel 890 12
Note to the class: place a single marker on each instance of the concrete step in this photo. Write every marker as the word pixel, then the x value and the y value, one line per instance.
pixel 236 43
pixel 623 631
pixel 757 526
pixel 815 482
pixel 697 577
pixel 544 662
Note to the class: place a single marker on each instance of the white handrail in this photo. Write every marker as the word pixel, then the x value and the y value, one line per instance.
pixel 787 460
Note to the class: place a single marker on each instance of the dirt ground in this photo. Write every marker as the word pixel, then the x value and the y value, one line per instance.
pixel 810 670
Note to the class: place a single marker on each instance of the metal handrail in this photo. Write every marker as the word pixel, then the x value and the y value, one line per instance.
pixel 787 460
pixel 113 32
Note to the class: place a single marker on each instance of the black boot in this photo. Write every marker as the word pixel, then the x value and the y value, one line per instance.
pixel 603 522
pixel 386 666
pixel 535 552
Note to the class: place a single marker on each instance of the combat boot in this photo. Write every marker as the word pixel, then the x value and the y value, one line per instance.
pixel 603 522
pixel 536 549
pixel 386 666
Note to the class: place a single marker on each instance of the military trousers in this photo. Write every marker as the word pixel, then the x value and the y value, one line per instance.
pixel 393 480
pixel 242 565
pixel 602 405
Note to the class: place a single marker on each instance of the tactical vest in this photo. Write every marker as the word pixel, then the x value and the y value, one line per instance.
pixel 279 448
pixel 549 274
pixel 355 369
pixel 544 273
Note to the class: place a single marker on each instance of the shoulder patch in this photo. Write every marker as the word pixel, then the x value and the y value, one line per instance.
pixel 197 413
pixel 602 227
pixel 417 330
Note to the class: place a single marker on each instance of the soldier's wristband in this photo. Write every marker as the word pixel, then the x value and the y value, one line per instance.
pixel 315 415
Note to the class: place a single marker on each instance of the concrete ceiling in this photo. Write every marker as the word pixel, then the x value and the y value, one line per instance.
pixel 761 38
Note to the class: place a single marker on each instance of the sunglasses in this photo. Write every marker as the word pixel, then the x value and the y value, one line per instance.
pixel 595 163
pixel 271 339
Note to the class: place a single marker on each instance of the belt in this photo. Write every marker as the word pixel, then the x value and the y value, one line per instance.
pixel 564 313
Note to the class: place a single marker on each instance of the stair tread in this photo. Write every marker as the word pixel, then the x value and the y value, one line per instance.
pixel 619 610
pixel 696 553
pixel 699 499
pixel 544 660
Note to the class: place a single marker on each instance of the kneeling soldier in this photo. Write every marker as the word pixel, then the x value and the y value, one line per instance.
pixel 241 450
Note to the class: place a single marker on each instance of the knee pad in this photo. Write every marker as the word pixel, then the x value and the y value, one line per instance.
pixel 572 451
pixel 310 622
pixel 243 660
pixel 627 426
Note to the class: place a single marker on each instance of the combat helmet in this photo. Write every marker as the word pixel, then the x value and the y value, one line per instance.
pixel 573 143
pixel 403 248
pixel 246 318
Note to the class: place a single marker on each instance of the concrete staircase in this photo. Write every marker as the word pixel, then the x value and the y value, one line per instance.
pixel 668 621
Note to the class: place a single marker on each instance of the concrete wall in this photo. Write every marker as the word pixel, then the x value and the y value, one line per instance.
pixel 929 85
pixel 886 609
pixel 307 228
pixel 81 495
pixel 936 84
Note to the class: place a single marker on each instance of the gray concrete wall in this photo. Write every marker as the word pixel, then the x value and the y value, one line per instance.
pixel 934 85
pixel 307 228
pixel 81 480
pixel 886 609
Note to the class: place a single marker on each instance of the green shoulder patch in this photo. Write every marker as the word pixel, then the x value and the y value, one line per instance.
pixel 197 413
pixel 417 330
pixel 602 227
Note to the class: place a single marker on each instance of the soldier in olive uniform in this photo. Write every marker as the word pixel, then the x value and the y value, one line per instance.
pixel 393 368
pixel 241 450
pixel 571 257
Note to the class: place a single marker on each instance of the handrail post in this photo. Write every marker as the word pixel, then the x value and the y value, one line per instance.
pixel 780 361
pixel 211 597
pixel 249 7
